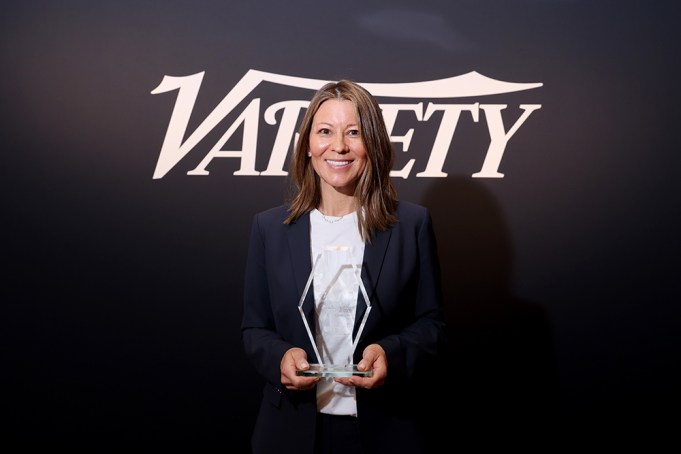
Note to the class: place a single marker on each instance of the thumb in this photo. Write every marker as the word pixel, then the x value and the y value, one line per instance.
pixel 369 356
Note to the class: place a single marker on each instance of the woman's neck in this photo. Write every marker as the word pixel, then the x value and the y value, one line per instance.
pixel 336 204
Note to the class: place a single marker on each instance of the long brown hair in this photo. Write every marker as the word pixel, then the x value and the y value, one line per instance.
pixel 375 194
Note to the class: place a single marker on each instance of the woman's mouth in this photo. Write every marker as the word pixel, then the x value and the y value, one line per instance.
pixel 337 163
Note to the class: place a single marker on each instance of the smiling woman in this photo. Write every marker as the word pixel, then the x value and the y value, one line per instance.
pixel 345 201
pixel 351 118
pixel 338 155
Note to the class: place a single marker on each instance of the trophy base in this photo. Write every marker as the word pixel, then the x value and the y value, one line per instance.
pixel 334 370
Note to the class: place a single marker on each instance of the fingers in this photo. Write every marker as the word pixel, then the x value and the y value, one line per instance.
pixel 358 382
pixel 296 359
pixel 301 383
pixel 374 359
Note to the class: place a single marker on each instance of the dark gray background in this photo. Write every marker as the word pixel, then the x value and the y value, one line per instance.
pixel 124 292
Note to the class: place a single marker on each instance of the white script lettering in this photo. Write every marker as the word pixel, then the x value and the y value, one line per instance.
pixel 175 146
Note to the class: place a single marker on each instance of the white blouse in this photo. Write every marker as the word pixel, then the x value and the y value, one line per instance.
pixel 338 246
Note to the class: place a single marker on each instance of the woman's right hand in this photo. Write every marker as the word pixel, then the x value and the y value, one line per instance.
pixel 296 358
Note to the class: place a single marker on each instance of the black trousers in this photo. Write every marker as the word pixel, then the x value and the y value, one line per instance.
pixel 337 435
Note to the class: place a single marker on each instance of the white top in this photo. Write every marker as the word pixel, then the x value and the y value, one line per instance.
pixel 338 246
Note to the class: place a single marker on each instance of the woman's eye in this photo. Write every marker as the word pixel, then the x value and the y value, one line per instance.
pixel 353 132
pixel 324 131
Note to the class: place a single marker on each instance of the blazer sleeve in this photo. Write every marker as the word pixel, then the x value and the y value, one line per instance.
pixel 422 337
pixel 263 346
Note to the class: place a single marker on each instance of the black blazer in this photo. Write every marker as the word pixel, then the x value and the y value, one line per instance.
pixel 401 274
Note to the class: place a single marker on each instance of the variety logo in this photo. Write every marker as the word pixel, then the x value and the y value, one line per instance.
pixel 177 144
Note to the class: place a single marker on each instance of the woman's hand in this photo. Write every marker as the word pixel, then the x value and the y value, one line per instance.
pixel 373 357
pixel 296 358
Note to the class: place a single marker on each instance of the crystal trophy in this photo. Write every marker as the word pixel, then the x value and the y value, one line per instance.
pixel 337 280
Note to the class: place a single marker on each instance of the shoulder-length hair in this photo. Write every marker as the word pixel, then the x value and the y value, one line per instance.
pixel 375 195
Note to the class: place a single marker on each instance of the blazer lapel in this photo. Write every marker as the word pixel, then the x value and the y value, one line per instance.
pixel 299 248
pixel 374 254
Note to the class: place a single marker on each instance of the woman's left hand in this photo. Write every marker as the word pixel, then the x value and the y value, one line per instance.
pixel 374 358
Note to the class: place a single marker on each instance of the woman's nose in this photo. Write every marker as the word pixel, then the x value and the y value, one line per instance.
pixel 339 144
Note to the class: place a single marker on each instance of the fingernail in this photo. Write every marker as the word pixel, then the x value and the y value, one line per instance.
pixel 303 365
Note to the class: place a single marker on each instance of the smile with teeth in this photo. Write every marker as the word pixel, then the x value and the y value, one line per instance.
pixel 338 163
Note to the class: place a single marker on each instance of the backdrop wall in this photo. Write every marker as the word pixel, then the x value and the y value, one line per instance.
pixel 123 277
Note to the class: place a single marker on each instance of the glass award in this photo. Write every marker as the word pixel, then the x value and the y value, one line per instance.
pixel 337 282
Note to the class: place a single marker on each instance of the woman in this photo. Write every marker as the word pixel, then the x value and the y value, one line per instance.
pixel 345 200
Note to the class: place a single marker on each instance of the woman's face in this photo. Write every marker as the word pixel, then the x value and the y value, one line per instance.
pixel 336 147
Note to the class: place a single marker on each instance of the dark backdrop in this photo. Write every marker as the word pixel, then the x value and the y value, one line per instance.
pixel 122 293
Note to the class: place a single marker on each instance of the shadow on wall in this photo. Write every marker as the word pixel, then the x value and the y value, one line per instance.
pixel 499 374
